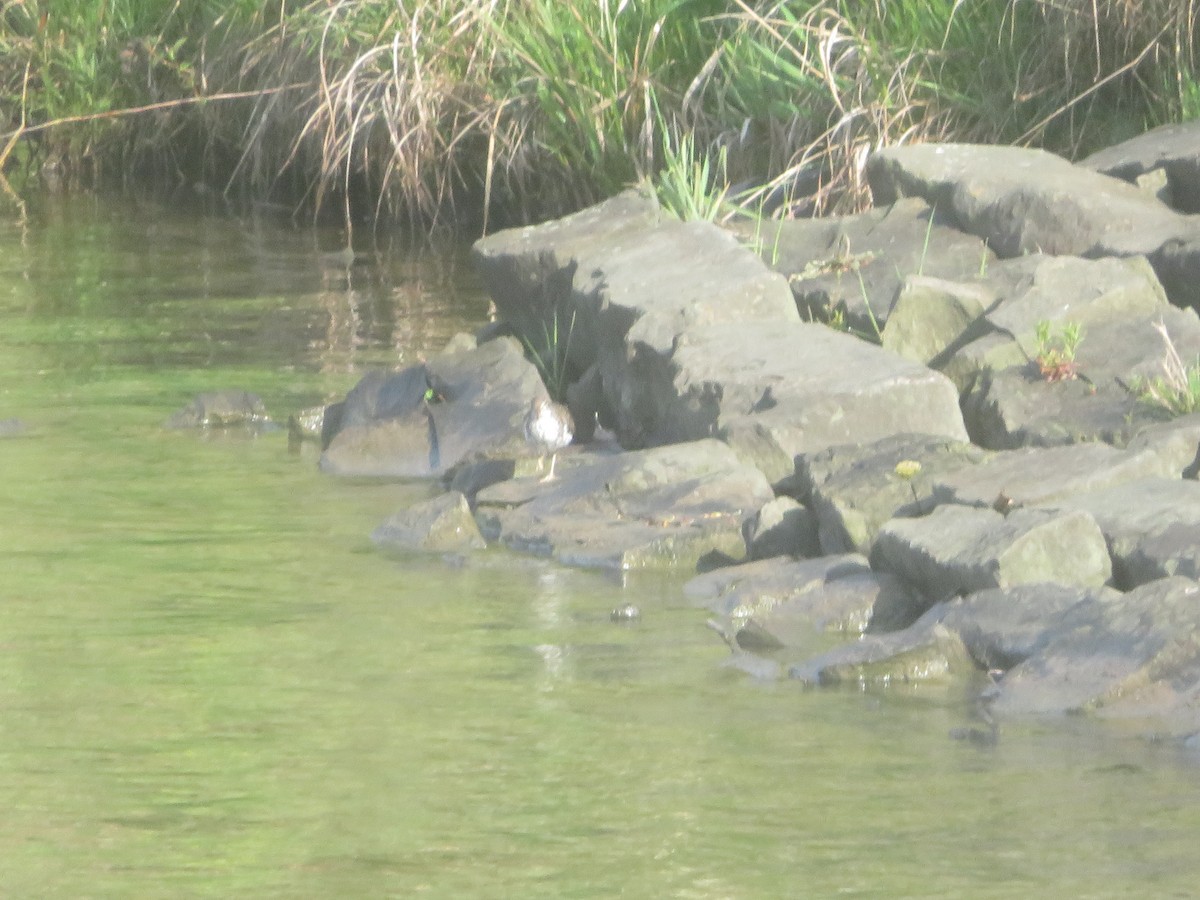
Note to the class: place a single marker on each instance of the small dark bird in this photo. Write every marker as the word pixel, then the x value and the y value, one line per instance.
pixel 548 428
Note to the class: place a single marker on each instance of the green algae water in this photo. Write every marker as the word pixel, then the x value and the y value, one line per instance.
pixel 212 685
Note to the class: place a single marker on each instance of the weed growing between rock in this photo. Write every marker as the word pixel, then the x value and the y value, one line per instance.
pixel 550 356
pixel 1177 390
pixel 1055 355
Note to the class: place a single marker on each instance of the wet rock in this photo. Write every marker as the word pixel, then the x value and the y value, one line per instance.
pixel 1003 627
pixel 1152 527
pixel 626 613
pixel 457 407
pixel 1135 655
pixel 222 409
pixel 441 525
pixel 959 550
pixel 791 600
pixel 855 489
pixel 926 651
pixel 782 527
pixel 665 507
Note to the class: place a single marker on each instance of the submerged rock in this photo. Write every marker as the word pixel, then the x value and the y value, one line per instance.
pixel 441 525
pixel 222 409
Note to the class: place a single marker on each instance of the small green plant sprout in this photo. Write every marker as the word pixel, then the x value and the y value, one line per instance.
pixel 1055 356
pixel 1177 390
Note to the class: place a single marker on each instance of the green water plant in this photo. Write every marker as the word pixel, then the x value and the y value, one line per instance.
pixel 1055 351
pixel 1177 390
pixel 550 354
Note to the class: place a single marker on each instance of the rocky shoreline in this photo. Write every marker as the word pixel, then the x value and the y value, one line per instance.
pixel 922 427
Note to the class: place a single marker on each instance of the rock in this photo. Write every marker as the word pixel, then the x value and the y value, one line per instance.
pixel 994 629
pixel 802 387
pixel 854 265
pixel 664 507
pixel 1033 476
pixel 1133 655
pixel 934 317
pixel 959 550
pixel 222 409
pixel 926 651
pixel 306 425
pixel 1152 527
pixel 1175 442
pixel 623 281
pixel 1169 149
pixel 1024 201
pixel 782 527
pixel 441 525
pixel 1011 407
pixel 791 600
pixel 854 489
pixel 426 420
pixel 1002 627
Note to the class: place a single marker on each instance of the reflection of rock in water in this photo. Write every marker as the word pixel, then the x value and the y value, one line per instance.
pixel 987 732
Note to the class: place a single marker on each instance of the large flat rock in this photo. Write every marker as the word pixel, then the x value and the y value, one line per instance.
pixel 958 550
pixel 1027 201
pixel 660 508
pixel 799 388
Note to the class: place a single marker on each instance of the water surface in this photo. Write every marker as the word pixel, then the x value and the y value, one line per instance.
pixel 211 685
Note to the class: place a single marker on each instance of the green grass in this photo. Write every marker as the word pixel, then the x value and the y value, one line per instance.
pixel 493 111
pixel 1177 390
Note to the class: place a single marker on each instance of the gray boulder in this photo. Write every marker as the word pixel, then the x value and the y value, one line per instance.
pixel 1172 150
pixel 796 388
pixel 991 630
pixel 792 600
pixel 619 284
pixel 443 524
pixel 855 488
pixel 959 550
pixel 1015 406
pixel 1134 655
pixel 1024 201
pixel 429 418
pixel 853 266
pixel 926 651
pixel 661 508
pixel 1152 527
pixel 782 527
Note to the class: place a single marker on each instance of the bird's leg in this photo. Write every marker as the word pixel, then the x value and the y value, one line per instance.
pixel 550 475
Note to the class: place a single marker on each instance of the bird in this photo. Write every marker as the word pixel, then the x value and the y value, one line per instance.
pixel 548 428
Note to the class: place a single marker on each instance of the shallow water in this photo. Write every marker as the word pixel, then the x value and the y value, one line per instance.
pixel 211 685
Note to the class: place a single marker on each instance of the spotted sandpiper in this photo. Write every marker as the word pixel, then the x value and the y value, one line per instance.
pixel 548 428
